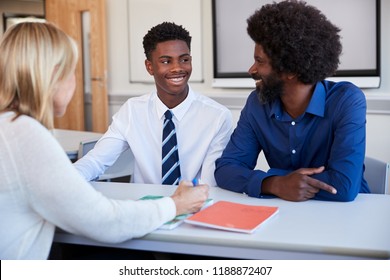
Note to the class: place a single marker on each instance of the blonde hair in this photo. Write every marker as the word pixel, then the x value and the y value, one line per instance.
pixel 35 58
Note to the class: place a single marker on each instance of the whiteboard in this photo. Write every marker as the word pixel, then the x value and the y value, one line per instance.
pixel 357 19
pixel 144 14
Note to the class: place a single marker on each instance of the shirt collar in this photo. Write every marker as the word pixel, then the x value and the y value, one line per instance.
pixel 317 102
pixel 276 109
pixel 180 110
pixel 316 105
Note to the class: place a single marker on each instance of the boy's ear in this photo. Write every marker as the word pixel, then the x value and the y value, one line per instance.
pixel 148 66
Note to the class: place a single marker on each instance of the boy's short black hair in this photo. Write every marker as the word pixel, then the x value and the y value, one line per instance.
pixel 165 31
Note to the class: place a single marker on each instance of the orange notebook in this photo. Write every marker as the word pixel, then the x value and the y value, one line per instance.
pixel 233 216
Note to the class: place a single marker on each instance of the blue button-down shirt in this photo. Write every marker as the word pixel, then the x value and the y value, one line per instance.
pixel 331 133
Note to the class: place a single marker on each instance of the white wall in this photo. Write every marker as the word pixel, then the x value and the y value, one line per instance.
pixel 378 117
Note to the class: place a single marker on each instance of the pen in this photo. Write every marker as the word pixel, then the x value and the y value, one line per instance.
pixel 195 182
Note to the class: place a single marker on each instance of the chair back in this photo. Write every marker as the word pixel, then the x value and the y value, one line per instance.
pixel 122 167
pixel 376 175
pixel 85 147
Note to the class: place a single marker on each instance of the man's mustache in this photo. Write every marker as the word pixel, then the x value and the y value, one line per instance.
pixel 256 77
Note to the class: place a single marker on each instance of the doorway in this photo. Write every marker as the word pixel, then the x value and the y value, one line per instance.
pixel 85 21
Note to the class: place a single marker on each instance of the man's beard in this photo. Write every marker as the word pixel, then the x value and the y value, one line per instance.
pixel 268 89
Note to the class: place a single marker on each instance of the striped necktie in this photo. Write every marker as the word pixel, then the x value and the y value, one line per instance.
pixel 170 154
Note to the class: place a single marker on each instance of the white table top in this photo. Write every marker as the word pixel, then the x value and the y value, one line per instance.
pixel 70 139
pixel 301 230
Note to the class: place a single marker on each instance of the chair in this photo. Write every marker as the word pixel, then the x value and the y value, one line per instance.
pixel 376 175
pixel 122 167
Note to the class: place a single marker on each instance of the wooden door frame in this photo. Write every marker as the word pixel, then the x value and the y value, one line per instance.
pixel 67 15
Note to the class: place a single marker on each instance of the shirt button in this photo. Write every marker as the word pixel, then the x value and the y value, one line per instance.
pixel 293 151
pixel 292 123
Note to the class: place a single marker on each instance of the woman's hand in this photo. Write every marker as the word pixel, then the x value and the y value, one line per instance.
pixel 189 198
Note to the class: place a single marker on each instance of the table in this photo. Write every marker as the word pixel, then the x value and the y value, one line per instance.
pixel 70 140
pixel 301 230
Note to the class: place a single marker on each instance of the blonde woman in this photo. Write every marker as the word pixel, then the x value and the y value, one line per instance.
pixel 39 187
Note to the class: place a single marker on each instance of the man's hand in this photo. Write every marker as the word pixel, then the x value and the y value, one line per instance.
pixel 296 186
